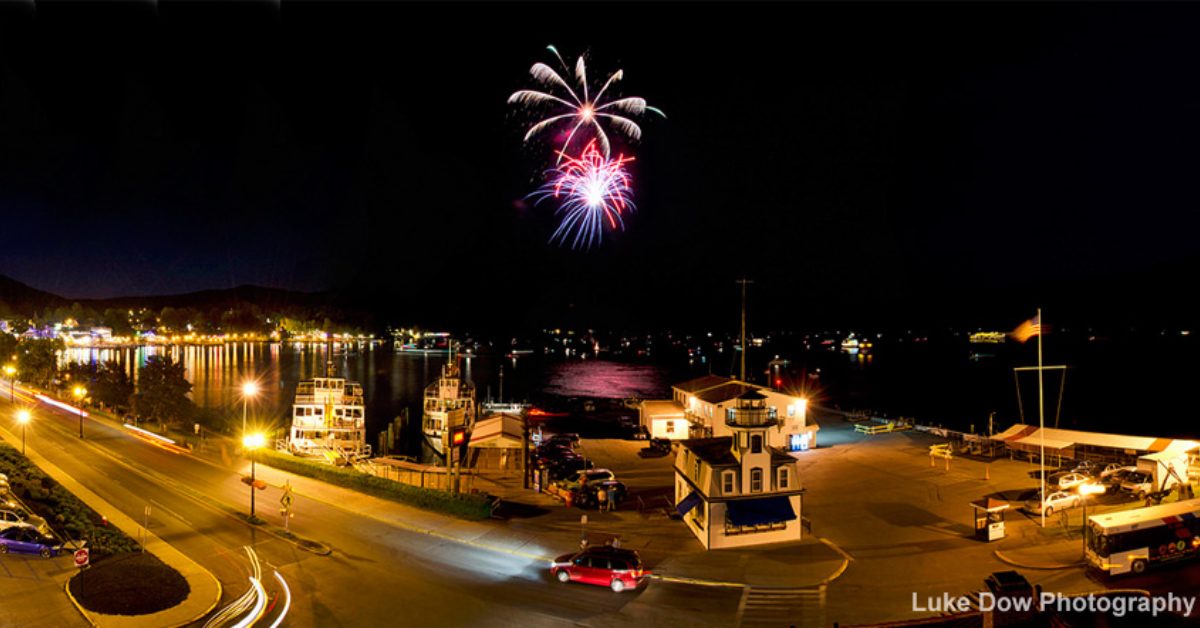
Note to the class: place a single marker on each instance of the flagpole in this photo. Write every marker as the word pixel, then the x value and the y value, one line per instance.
pixel 1041 419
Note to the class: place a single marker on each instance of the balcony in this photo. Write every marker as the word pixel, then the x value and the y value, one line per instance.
pixel 751 417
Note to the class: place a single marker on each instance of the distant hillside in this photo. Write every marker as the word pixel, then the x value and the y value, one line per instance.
pixel 265 298
pixel 24 299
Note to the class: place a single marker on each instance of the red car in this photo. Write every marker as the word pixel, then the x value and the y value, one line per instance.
pixel 618 569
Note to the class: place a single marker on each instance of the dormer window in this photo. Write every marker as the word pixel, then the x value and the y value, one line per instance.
pixel 756 480
pixel 727 482
pixel 783 478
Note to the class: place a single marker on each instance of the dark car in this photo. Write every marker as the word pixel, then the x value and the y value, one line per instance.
pixel 546 455
pixel 561 469
pixel 615 568
pixel 567 440
pixel 28 541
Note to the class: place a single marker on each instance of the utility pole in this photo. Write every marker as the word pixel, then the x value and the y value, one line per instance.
pixel 744 282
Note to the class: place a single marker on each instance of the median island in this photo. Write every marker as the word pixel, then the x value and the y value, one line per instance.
pixel 121 579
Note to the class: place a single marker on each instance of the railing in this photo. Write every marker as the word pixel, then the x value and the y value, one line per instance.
pixel 341 400
pixel 751 417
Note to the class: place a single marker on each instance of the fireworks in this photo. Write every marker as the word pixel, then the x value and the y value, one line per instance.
pixel 593 191
pixel 579 109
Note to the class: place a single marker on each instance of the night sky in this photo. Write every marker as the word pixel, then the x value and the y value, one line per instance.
pixel 903 159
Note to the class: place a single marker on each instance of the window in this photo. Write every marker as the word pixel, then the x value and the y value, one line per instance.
pixel 730 414
pixel 756 480
pixel 727 482
pixel 756 444
pixel 783 478
pixel 670 427
pixel 791 409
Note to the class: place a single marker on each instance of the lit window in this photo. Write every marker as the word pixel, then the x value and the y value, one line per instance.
pixel 791 409
pixel 756 480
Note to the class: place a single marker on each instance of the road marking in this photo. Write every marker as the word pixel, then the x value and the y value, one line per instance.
pixel 172 513
pixel 765 606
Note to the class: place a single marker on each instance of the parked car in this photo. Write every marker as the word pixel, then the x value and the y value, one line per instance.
pixel 618 569
pixel 546 455
pixel 1138 483
pixel 569 440
pixel 28 541
pixel 661 445
pixel 561 469
pixel 582 478
pixel 1058 500
pixel 13 519
pixel 1086 467
pixel 3 483
pixel 1066 481
pixel 641 433
pixel 1115 470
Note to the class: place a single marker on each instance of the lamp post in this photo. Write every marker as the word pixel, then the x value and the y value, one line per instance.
pixel 249 389
pixel 12 382
pixel 80 392
pixel 22 419
pixel 252 442
pixel 1084 491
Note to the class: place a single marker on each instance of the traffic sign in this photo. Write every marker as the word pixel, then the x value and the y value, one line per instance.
pixel 81 557
pixel 287 498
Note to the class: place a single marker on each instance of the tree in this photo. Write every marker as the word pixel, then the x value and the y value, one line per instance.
pixel 37 360
pixel 162 392
pixel 8 348
pixel 112 387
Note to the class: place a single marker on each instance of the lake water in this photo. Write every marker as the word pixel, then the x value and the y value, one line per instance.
pixel 1119 386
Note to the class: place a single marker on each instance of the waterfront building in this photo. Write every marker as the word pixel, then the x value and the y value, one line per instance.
pixel 737 490
pixel 707 401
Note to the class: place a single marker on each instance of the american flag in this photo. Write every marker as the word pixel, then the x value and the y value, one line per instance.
pixel 1028 329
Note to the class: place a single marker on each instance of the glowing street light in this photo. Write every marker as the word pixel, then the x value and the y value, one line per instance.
pixel 80 393
pixel 252 442
pixel 23 420
pixel 11 372
pixel 249 389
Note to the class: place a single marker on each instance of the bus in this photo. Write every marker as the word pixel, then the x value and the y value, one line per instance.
pixel 1132 540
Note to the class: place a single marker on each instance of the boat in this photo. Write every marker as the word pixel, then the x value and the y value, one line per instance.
pixel 431 343
pixel 328 421
pixel 504 407
pixel 449 402
pixel 987 337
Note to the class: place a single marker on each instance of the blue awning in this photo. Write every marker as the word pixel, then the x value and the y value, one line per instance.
pixel 752 512
pixel 691 501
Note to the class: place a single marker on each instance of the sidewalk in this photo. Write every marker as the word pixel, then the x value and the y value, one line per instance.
pixel 205 591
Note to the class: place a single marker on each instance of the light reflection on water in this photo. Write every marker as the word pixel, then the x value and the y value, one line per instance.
pixel 391 380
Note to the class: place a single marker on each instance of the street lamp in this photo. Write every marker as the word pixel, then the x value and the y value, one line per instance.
pixel 80 392
pixel 22 420
pixel 11 371
pixel 1085 490
pixel 252 442
pixel 249 389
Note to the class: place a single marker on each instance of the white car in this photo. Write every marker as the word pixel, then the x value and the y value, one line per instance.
pixel 1058 500
pixel 1114 468
pixel 587 476
pixel 1138 483
pixel 1067 481
pixel 11 519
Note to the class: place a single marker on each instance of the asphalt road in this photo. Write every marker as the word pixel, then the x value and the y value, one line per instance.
pixel 377 574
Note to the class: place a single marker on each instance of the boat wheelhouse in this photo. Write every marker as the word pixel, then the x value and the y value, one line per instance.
pixel 449 402
pixel 328 420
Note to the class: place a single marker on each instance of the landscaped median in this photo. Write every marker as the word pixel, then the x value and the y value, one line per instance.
pixel 121 579
pixel 471 506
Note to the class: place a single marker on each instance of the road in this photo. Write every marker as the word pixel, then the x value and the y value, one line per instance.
pixel 378 573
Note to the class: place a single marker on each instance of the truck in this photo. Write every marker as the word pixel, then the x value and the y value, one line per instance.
pixel 1157 474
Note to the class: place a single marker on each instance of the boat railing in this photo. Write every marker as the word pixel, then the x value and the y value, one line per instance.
pixel 344 400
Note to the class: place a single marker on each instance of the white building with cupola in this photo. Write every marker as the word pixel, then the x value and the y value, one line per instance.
pixel 739 490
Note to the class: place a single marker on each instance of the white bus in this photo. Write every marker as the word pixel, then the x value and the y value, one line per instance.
pixel 1132 540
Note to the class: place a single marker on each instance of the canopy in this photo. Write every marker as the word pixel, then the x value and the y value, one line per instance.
pixel 752 512
pixel 691 501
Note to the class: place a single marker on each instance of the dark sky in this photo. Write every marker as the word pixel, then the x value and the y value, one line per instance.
pixel 847 157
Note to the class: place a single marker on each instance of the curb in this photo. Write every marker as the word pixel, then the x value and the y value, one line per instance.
pixel 79 607
pixel 1014 563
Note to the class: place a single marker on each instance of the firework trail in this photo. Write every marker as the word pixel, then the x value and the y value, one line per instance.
pixel 593 191
pixel 577 107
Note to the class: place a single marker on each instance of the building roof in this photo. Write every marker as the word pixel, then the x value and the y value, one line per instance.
pixel 725 392
pixel 662 406
pixel 1061 439
pixel 752 395
pixel 718 451
pixel 702 383
pixel 499 431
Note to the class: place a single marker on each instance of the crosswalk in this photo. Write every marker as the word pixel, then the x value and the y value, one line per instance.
pixel 765 606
